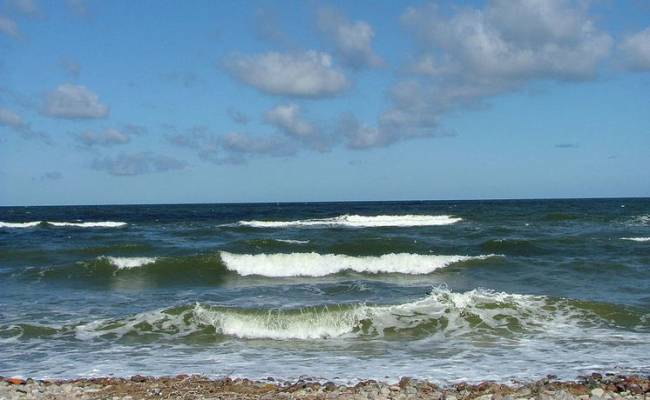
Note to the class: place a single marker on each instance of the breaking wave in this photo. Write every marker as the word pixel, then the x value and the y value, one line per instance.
pixel 359 221
pixel 314 264
pixel 90 224
pixel 637 239
pixel 442 313
pixel 129 262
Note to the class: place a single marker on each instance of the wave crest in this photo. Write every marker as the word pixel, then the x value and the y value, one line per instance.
pixel 89 224
pixel 359 221
pixel 314 264
pixel 129 262
pixel 442 313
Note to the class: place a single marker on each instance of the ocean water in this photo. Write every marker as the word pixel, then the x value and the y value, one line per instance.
pixel 444 290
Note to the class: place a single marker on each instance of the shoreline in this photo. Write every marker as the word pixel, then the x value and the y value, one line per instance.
pixel 593 387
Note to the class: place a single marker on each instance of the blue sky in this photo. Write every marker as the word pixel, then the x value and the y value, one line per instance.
pixel 231 101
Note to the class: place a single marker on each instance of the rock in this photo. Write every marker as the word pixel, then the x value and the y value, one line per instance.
pixel 138 378
pixel 15 381
pixel 598 392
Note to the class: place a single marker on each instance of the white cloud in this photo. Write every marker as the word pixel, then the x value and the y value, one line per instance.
pixel 74 102
pixel 9 27
pixel 17 124
pixel 307 74
pixel 245 144
pixel 137 164
pixel 10 119
pixel 474 54
pixel 353 40
pixel 288 119
pixel 108 137
pixel 635 50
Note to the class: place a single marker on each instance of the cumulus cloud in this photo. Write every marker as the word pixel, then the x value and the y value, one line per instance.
pixel 17 124
pixel 107 137
pixel 233 147
pixel 9 27
pixel 352 40
pixel 74 102
pixel 306 74
pixel 635 51
pixel 137 164
pixel 245 144
pixel 288 119
pixel 473 54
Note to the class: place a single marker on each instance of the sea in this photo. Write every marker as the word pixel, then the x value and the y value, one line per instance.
pixel 449 291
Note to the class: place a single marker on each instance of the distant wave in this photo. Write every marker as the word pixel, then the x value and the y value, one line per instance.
pixel 637 239
pixel 477 312
pixel 292 241
pixel 99 224
pixel 30 224
pixel 90 224
pixel 359 221
pixel 314 264
pixel 129 262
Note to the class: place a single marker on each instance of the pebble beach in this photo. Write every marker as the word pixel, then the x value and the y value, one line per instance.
pixel 593 387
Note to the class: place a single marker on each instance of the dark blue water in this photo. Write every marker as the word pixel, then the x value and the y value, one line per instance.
pixel 441 290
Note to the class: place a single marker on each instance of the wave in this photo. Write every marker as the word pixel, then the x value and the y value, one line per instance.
pixel 637 239
pixel 359 221
pixel 292 241
pixel 314 264
pixel 91 224
pixel 30 224
pixel 99 224
pixel 129 262
pixel 442 313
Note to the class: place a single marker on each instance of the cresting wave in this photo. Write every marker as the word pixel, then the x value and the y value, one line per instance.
pixel 359 221
pixel 90 224
pixel 314 264
pixel 637 239
pixel 443 313
pixel 129 262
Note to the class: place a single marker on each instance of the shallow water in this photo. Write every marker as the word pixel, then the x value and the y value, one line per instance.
pixel 449 291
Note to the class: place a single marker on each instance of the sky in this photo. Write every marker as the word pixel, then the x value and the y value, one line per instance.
pixel 123 102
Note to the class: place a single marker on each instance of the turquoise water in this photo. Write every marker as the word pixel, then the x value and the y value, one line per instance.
pixel 466 290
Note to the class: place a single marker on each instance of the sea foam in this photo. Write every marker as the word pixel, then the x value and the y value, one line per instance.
pixel 314 264
pixel 442 312
pixel 96 224
pixel 637 239
pixel 129 262
pixel 90 224
pixel 30 224
pixel 359 221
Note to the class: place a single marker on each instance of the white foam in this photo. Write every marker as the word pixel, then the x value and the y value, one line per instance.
pixel 292 241
pixel 92 224
pixel 314 264
pixel 453 314
pixel 637 239
pixel 129 262
pixel 360 221
pixel 30 224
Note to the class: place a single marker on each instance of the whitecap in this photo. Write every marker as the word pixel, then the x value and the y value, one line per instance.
pixel 29 224
pixel 314 264
pixel 90 224
pixel 637 239
pixel 359 221
pixel 129 262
